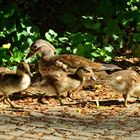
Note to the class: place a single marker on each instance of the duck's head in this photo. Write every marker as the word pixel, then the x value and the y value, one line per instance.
pixel 42 47
pixel 85 72
pixel 23 68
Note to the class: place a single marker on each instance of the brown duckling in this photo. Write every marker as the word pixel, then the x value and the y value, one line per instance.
pixel 67 62
pixel 15 82
pixel 5 70
pixel 126 82
pixel 58 82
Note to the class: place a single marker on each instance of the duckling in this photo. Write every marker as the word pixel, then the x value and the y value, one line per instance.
pixel 15 82
pixel 50 62
pixel 5 70
pixel 58 82
pixel 126 82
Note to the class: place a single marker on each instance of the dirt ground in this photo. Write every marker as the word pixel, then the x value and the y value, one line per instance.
pixel 83 119
pixel 95 113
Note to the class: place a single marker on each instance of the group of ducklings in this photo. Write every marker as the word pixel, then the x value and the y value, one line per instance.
pixel 65 73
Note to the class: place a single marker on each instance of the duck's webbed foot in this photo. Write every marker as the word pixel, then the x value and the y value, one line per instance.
pixel 42 100
pixel 12 104
pixel 125 96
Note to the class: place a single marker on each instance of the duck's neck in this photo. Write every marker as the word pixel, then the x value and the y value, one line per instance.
pixel 79 77
pixel 46 55
pixel 21 73
pixel 24 79
pixel 82 79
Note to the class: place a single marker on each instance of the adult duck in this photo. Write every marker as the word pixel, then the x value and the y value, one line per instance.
pixel 67 62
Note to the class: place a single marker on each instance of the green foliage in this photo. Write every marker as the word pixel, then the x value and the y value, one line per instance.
pixel 102 31
pixel 17 31
pixel 80 44
pixel 94 29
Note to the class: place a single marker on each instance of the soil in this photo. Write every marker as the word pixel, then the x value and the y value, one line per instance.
pixel 90 106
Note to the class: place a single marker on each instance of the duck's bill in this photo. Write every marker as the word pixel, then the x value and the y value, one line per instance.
pixel 30 74
pixel 29 55
pixel 93 78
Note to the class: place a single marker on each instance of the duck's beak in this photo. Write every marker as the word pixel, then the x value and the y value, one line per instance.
pixel 30 74
pixel 29 54
pixel 93 77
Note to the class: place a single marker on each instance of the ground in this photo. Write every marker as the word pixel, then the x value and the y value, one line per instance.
pixel 93 114
pixel 110 120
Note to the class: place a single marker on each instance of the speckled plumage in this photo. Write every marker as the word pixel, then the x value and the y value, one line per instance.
pixel 126 82
pixel 14 81
pixel 58 82
pixel 66 62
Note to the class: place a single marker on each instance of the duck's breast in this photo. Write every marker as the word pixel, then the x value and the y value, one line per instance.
pixel 25 82
pixel 136 89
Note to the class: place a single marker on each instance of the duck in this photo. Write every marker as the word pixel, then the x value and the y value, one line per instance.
pixel 12 82
pixel 50 62
pixel 60 83
pixel 127 82
pixel 5 70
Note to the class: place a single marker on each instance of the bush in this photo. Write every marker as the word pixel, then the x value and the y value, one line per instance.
pixel 16 34
pixel 94 29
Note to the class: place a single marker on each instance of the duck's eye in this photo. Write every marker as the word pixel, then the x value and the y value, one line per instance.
pixel 34 47
pixel 21 67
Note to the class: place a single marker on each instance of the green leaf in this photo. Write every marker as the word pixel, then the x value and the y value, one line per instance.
pixel 107 58
pixel 76 39
pixel 108 48
pixel 54 34
pixel 63 39
pixel 51 35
